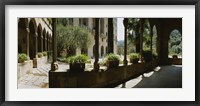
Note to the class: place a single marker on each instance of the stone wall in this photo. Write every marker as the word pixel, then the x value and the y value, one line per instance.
pixel 108 78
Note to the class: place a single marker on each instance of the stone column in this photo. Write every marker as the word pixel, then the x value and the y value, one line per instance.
pixel 35 51
pixel 27 40
pixel 46 42
pixel 41 42
pixel 141 39
pixel 125 21
pixel 96 64
pixel 36 44
pixel 54 64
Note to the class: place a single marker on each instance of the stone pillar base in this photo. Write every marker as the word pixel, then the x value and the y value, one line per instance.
pixel 54 66
pixel 34 62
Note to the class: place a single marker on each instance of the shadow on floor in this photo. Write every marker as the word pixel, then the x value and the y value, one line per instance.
pixel 162 77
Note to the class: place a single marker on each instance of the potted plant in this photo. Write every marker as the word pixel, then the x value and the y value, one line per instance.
pixel 147 54
pixel 77 63
pixel 44 53
pixel 22 57
pixel 112 60
pixel 175 56
pixel 134 58
pixel 39 54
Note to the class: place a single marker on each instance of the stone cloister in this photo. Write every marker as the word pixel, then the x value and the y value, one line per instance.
pixel 112 77
pixel 35 35
pixel 39 35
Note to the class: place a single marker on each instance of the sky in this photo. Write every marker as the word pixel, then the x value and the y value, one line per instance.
pixel 120 29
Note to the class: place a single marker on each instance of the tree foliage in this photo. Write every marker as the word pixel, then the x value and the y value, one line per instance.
pixel 175 43
pixel 71 37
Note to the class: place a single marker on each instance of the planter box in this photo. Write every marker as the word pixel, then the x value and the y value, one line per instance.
pixel 110 78
pixel 77 67
pixel 24 68
pixel 112 64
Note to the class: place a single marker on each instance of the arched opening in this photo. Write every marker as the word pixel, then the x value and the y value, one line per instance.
pixel 44 39
pixel 32 39
pixel 22 36
pixel 154 40
pixel 39 31
pixel 175 44
pixel 47 41
pixel 146 36
pixel 102 51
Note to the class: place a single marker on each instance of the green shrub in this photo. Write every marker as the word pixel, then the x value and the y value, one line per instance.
pixel 22 57
pixel 39 54
pixel 133 55
pixel 44 53
pixel 112 57
pixel 77 59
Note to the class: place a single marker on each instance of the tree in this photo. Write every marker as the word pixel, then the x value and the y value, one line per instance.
pixel 175 43
pixel 134 25
pixel 71 37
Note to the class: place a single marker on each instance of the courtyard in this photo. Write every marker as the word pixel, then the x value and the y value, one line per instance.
pixel 99 53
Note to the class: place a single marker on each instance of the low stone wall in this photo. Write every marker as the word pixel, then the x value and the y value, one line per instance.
pixel 108 78
pixel 41 61
pixel 24 68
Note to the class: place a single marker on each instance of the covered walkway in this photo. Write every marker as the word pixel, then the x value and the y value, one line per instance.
pixel 162 77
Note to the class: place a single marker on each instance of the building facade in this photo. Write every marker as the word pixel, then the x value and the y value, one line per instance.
pixel 34 35
pixel 89 24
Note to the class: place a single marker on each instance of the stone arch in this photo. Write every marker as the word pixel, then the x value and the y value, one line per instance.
pixel 23 35
pixel 175 43
pixel 40 38
pixel 32 39
pixel 102 51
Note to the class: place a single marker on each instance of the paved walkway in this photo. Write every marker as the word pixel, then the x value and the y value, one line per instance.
pixel 162 77
pixel 39 77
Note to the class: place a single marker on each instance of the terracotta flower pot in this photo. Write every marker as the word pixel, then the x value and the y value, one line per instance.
pixel 175 57
pixel 112 64
pixel 134 61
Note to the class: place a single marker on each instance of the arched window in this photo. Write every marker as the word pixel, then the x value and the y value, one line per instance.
pixel 22 36
pixel 175 44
